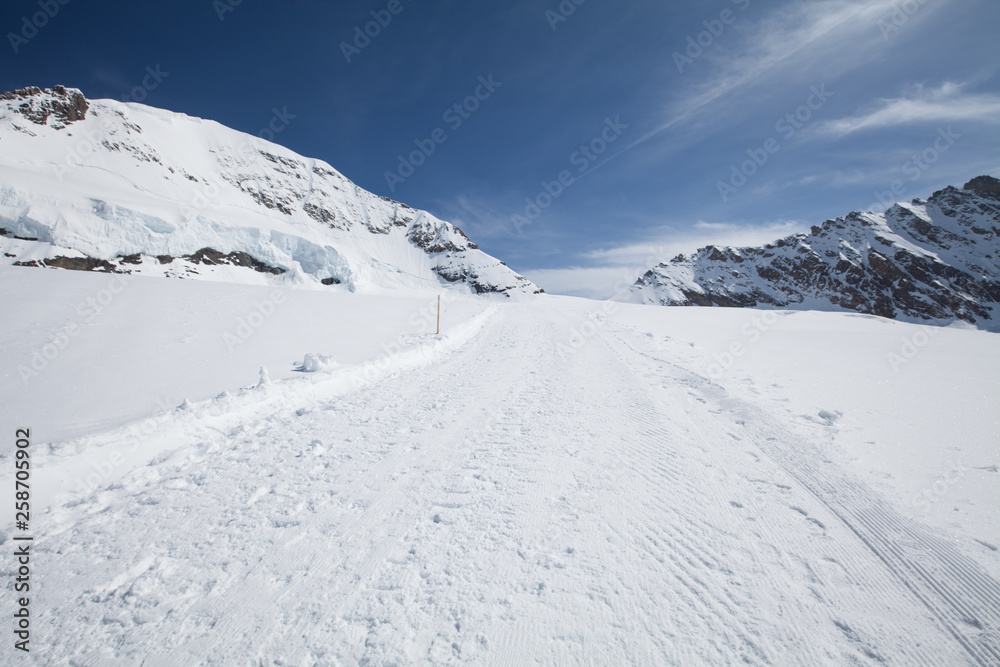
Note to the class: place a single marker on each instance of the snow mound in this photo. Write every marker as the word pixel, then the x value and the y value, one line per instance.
pixel 313 363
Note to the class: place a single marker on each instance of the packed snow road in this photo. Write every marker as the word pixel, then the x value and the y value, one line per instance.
pixel 526 498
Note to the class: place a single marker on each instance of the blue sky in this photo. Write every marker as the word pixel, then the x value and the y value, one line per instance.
pixel 660 126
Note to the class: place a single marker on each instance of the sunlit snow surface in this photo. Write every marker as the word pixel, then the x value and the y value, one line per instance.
pixel 554 480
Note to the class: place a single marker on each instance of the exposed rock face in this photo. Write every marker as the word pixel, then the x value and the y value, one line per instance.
pixel 64 105
pixel 122 264
pixel 935 260
pixel 211 257
pixel 984 186
pixel 74 264
pixel 434 239
pixel 458 273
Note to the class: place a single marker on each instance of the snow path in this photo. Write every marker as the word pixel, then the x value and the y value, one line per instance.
pixel 507 505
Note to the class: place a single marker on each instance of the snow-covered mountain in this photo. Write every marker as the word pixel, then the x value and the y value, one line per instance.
pixel 936 260
pixel 107 186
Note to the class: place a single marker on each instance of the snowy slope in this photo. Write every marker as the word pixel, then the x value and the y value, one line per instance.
pixel 935 261
pixel 84 352
pixel 102 185
pixel 571 482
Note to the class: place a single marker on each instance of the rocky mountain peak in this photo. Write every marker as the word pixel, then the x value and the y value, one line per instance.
pixel 984 186
pixel 926 261
pixel 65 105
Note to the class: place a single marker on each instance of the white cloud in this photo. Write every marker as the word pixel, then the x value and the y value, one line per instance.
pixel 596 282
pixel 667 242
pixel 609 270
pixel 947 103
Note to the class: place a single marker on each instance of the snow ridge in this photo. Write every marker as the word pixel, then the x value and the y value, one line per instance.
pixel 106 186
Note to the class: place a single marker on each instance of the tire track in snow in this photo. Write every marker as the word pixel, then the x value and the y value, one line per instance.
pixel 960 596
pixel 680 561
pixel 693 566
pixel 963 599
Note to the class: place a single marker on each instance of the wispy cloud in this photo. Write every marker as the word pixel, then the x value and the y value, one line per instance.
pixel 946 103
pixel 791 40
pixel 475 215
pixel 665 242
pixel 111 77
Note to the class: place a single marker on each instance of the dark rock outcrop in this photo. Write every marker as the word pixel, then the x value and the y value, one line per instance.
pixel 984 186
pixel 205 256
pixel 64 105
pixel 210 256
pixel 74 264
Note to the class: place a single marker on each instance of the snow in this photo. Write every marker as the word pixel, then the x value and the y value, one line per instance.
pixel 550 481
pixel 129 179
pixel 313 363
pixel 126 347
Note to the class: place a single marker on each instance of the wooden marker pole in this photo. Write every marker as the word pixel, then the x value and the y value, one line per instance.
pixel 438 333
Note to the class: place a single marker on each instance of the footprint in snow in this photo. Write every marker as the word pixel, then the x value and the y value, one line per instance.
pixel 810 519
pixel 824 417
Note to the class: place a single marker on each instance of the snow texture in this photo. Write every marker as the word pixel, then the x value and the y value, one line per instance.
pixel 130 188
pixel 556 482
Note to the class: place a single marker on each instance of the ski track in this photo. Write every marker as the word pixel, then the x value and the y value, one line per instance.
pixel 507 505
pixel 963 599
